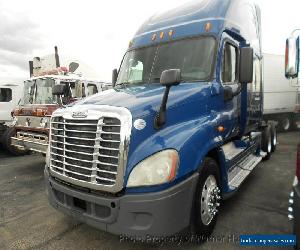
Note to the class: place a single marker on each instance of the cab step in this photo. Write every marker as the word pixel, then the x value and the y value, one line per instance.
pixel 239 173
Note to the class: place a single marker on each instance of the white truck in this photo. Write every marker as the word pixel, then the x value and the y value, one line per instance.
pixel 10 94
pixel 281 98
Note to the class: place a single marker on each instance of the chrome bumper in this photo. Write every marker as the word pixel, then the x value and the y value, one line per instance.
pixel 31 141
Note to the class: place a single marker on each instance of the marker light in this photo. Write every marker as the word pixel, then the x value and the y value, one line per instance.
pixel 208 26
pixel 221 129
pixel 161 35
pixel 156 169
pixel 40 112
pixel 171 33
pixel 153 37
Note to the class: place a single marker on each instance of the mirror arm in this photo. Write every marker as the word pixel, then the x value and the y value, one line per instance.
pixel 160 118
pixel 60 102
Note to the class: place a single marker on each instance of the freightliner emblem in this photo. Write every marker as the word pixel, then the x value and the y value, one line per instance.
pixel 139 124
pixel 79 114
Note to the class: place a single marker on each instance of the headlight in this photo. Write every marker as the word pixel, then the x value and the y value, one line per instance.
pixel 14 121
pixel 44 122
pixel 157 169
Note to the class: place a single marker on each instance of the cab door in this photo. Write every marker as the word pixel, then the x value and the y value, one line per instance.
pixel 230 111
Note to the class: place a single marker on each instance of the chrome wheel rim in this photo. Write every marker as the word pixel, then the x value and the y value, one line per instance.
pixel 269 144
pixel 210 200
pixel 274 138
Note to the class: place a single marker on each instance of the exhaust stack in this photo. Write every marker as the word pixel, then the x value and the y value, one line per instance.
pixel 56 57
pixel 31 68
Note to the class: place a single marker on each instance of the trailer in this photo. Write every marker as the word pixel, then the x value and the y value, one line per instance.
pixel 281 99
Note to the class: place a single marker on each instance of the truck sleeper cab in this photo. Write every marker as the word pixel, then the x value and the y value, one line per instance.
pixel 180 131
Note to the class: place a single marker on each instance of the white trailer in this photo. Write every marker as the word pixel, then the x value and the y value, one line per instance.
pixel 281 99
pixel 10 95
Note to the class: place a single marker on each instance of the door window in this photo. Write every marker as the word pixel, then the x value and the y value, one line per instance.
pixel 229 64
pixel 5 95
pixel 92 89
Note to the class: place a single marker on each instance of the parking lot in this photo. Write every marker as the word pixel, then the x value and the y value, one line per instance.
pixel 28 222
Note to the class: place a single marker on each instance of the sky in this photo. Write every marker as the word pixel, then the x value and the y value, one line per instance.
pixel 98 32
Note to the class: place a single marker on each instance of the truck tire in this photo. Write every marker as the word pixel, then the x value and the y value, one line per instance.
pixel 7 143
pixel 207 199
pixel 285 123
pixel 295 121
pixel 273 136
pixel 266 142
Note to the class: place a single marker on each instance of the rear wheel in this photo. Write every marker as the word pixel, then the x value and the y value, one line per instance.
pixel 296 123
pixel 207 199
pixel 266 142
pixel 10 132
pixel 273 137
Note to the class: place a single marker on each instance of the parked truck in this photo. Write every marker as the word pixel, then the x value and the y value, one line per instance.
pixel 180 131
pixel 10 95
pixel 281 99
pixel 31 119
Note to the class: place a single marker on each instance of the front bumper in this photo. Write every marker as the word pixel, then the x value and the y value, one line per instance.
pixel 31 141
pixel 159 214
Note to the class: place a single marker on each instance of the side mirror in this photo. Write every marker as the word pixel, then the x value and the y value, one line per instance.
pixel 170 77
pixel 73 66
pixel 114 77
pixel 59 89
pixel 246 65
pixel 291 58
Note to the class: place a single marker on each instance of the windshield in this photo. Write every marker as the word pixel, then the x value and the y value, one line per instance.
pixel 194 57
pixel 38 91
pixel 44 91
pixel 28 92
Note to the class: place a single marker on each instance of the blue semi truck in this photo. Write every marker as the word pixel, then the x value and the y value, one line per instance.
pixel 180 131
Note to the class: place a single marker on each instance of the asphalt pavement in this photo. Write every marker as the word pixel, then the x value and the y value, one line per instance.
pixel 28 222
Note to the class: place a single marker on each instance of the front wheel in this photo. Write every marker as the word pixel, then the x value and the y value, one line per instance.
pixel 207 198
pixel 10 132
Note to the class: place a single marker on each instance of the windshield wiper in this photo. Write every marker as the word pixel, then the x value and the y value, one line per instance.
pixel 123 84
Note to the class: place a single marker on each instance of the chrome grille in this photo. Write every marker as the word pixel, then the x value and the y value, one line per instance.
pixel 90 152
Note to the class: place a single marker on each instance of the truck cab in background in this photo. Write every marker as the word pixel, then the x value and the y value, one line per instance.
pixel 292 72
pixel 31 119
pixel 10 96
pixel 180 131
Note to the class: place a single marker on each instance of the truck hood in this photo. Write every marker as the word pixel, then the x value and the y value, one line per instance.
pixel 144 100
pixel 31 109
